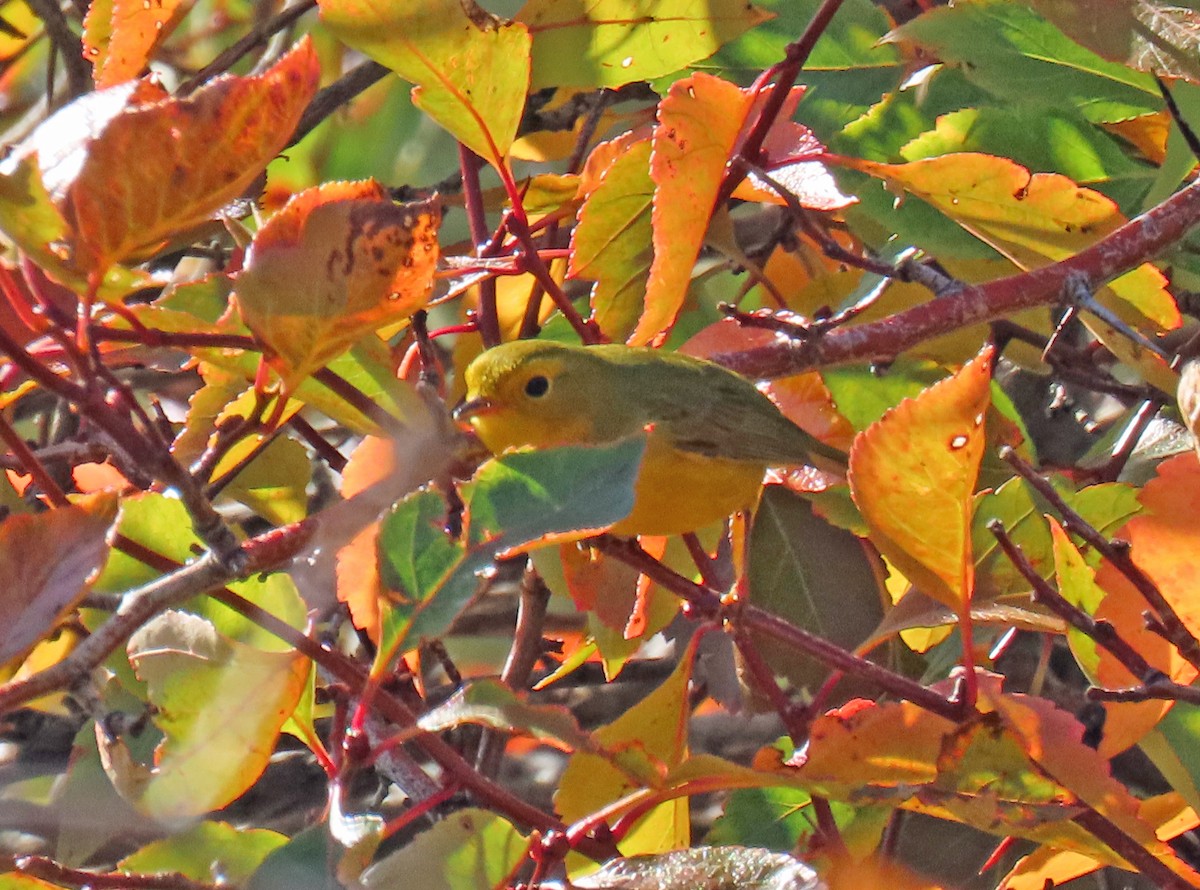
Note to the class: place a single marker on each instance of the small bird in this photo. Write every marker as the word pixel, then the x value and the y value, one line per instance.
pixel 710 433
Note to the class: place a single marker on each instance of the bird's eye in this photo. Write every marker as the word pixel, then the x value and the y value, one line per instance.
pixel 536 387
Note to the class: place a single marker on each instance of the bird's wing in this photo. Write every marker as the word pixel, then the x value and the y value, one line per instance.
pixel 736 422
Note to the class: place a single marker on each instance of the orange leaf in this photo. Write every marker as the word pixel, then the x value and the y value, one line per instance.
pixel 119 36
pixel 336 262
pixel 128 173
pixel 698 126
pixel 47 560
pixel 913 473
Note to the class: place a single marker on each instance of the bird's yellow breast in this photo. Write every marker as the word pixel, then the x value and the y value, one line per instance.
pixel 679 491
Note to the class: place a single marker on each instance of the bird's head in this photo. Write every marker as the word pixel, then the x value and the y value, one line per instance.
pixel 530 394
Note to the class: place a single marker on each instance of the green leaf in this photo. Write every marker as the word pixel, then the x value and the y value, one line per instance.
pixel 612 243
pixel 514 500
pixel 471 849
pixel 816 576
pixel 1016 55
pixel 209 851
pixel 471 70
pixel 220 705
pixel 609 43
pixel 162 525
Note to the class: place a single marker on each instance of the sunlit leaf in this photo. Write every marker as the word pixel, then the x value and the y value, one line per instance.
pixel 657 726
pixel 120 36
pixel 337 262
pixel 471 70
pixel 612 244
pixel 698 125
pixel 927 451
pixel 195 156
pixel 220 705
pixel 608 43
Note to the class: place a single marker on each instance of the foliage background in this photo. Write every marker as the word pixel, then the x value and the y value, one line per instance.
pixel 246 261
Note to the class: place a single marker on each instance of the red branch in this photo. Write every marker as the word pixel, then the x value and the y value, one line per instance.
pixel 1125 249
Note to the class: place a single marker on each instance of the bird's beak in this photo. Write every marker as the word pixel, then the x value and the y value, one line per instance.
pixel 472 408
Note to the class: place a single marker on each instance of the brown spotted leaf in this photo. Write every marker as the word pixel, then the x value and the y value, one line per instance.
pixel 336 262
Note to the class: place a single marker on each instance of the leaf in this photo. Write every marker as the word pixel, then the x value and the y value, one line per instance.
pixel 120 36
pixel 207 852
pixel 612 244
pixel 1009 50
pixel 195 156
pixel 220 705
pixel 796 162
pixel 609 43
pixel 162 525
pixel 273 483
pixel 704 868
pixel 471 70
pixel 1106 507
pixel 1154 536
pixel 656 731
pixel 1021 768
pixel 32 221
pixel 699 121
pixel 491 703
pixel 1166 812
pixel 337 262
pixel 514 500
pixel 927 451
pixel 47 560
pixel 817 577
pixel 1148 35
pixel 1077 585
pixel 470 848
pixel 1031 218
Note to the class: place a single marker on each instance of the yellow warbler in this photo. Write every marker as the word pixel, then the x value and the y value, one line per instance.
pixel 711 433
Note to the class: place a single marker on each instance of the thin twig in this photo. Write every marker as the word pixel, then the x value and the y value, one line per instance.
pixel 1174 629
pixel 68 45
pixel 706 604
pixel 256 37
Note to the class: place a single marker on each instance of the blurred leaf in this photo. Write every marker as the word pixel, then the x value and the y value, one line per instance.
pixel 162 525
pixel 491 703
pixel 47 560
pixel 220 705
pixel 1148 35
pixel 608 43
pixel 273 483
pixel 208 852
pixel 471 849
